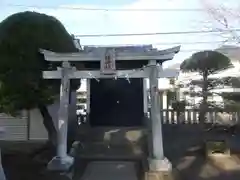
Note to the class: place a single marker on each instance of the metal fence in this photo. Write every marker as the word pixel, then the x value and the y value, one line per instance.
pixel 191 116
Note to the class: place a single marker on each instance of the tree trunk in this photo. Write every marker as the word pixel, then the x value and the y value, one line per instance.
pixel 178 116
pixel 52 133
pixel 49 125
pixel 204 104
pixel 48 150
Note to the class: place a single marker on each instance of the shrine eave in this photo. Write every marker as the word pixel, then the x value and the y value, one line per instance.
pixel 96 55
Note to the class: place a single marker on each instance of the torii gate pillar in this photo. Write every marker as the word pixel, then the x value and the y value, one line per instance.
pixel 157 161
pixel 62 162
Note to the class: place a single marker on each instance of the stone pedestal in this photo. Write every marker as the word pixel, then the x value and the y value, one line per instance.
pixel 219 147
pixel 163 165
pixel 155 175
pixel 60 163
pixel 160 170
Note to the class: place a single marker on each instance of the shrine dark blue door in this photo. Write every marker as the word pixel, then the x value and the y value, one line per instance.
pixel 116 102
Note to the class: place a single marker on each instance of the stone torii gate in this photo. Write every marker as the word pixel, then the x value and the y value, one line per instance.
pixel 107 57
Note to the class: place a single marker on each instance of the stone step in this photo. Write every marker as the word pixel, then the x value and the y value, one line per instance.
pixel 102 150
pixel 113 135
pixel 110 170
pixel 225 162
pixel 120 170
pixel 81 164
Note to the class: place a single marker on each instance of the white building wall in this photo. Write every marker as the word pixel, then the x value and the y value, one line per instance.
pixel 37 129
pixel 29 126
pixel 15 128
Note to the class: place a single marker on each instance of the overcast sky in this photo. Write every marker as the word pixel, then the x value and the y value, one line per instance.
pixel 110 22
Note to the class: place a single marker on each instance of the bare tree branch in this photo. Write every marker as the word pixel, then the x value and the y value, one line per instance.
pixel 223 18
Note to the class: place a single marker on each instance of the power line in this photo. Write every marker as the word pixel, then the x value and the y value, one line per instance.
pixel 181 50
pixel 105 9
pixel 158 33
pixel 163 43
pixel 192 50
